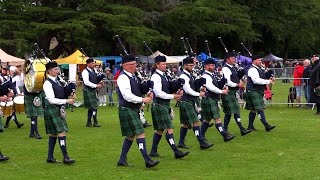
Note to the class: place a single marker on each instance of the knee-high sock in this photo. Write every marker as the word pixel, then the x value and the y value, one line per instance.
pixel 63 146
pixel 125 149
pixel 170 140
pixel 183 133
pixel 143 148
pixel 14 118
pixel 204 128
pixel 252 116
pixel 227 118
pixel 36 125
pixel 32 125
pixel 94 115
pixel 155 142
pixel 197 132
pixel 263 118
pixel 51 144
pixel 8 120
pixel 238 121
pixel 89 116
pixel 220 129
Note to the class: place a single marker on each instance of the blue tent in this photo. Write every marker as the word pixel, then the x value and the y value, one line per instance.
pixel 202 57
pixel 108 61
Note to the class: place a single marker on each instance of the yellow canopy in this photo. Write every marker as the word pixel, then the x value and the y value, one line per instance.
pixel 75 58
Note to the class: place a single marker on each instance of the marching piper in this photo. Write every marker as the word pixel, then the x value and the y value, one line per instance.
pixel 256 85
pixel 229 101
pixel 160 110
pixel 90 80
pixel 209 104
pixel 188 114
pixel 130 99
pixel 54 112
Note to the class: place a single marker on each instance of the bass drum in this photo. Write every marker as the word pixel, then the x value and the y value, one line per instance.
pixel 35 74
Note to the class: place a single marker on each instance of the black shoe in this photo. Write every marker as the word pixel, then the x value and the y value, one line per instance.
pixel 244 132
pixel 269 128
pixel 89 125
pixel 38 136
pixel 52 160
pixel 31 135
pixel 96 125
pixel 6 126
pixel 179 154
pixel 252 129
pixel 227 137
pixel 205 145
pixel 150 163
pixel 211 124
pixel 183 146
pixel 20 125
pixel 68 161
pixel 146 124
pixel 155 154
pixel 124 164
pixel 3 158
pixel 1 130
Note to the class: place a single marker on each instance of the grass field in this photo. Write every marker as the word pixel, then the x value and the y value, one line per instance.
pixel 290 151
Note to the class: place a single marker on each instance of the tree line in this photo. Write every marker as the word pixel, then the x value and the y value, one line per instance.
pixel 287 28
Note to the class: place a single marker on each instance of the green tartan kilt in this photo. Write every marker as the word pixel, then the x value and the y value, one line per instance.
pixel 254 100
pixel 53 122
pixel 188 114
pixel 161 116
pixel 230 103
pixel 209 109
pixel 90 98
pixel 31 110
pixel 130 122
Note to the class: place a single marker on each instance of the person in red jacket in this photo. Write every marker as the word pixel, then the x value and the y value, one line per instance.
pixel 297 82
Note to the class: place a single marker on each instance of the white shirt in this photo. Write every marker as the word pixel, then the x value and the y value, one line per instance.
pixel 15 79
pixel 85 77
pixel 209 85
pixel 125 88
pixel 227 74
pixel 157 86
pixel 186 87
pixel 48 90
pixel 254 75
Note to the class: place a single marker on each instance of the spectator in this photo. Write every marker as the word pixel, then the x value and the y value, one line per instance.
pixel 306 82
pixel 297 82
pixel 176 71
pixel 109 85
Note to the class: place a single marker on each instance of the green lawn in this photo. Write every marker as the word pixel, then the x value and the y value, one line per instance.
pixel 290 151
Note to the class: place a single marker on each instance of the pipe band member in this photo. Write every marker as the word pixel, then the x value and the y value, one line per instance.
pixel 130 100
pixel 54 113
pixel 256 84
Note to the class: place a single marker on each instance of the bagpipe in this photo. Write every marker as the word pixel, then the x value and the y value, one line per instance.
pixel 175 83
pixel 240 70
pixel 146 85
pixel 7 87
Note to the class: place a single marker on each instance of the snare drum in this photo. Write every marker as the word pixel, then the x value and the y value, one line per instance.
pixel 35 74
pixel 6 108
pixel 19 104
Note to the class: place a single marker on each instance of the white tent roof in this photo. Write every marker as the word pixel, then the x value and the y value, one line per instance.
pixel 11 59
pixel 271 57
pixel 170 60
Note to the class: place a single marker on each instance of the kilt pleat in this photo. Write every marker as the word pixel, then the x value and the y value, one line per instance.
pixel 209 109
pixel 254 100
pixel 53 122
pixel 161 116
pixel 230 103
pixel 130 122
pixel 90 98
pixel 31 110
pixel 188 114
